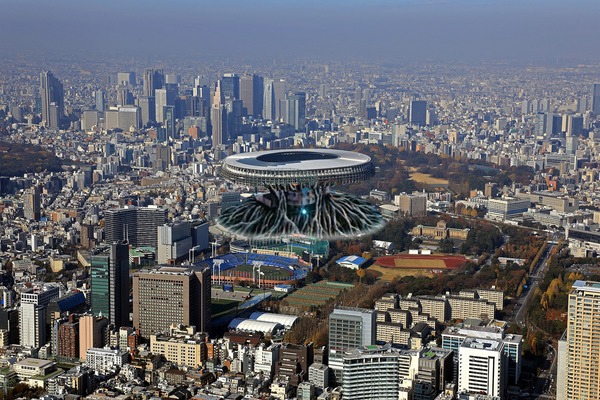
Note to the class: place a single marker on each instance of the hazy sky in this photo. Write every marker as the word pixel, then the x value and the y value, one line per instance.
pixel 472 30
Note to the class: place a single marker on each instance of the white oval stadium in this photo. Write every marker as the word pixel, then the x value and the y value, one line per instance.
pixel 280 167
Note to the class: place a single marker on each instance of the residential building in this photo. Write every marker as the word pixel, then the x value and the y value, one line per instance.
pixel 581 343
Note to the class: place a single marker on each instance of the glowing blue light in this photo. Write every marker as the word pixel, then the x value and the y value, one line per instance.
pixel 303 211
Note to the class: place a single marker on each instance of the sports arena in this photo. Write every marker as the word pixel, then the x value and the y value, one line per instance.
pixel 244 267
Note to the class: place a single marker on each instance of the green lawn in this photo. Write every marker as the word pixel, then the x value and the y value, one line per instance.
pixel 269 272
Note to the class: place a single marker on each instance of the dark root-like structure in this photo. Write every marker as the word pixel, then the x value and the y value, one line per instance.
pixel 311 210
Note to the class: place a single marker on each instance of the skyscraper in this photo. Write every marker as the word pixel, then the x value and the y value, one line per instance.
pixel 153 79
pixel 100 104
pixel 268 100
pixel 147 109
pixel 251 93
pixel 578 350
pixel 418 112
pixel 279 94
pixel 32 204
pixel 110 284
pixel 218 117
pixel 295 110
pixel 32 314
pixel 171 295
pixel 137 225
pixel 349 328
pixel 51 91
pixel 230 86
pixel 596 98
pixel 164 97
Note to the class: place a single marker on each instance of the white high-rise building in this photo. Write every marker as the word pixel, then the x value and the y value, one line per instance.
pixel 349 328
pixel 482 367
pixel 371 374
pixel 32 314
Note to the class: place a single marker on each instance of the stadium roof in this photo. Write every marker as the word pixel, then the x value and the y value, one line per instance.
pixel 298 165
pixel 251 325
pixel 286 320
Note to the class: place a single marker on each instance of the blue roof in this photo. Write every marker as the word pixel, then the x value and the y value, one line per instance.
pixel 70 301
pixel 352 260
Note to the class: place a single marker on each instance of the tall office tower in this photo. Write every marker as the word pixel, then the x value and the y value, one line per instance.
pixel 234 118
pixel 596 98
pixel 418 112
pixel 578 367
pixel 51 91
pixel 100 102
pixel 153 79
pixel 169 121
pixel 32 314
pixel 164 97
pixel 278 95
pixel 349 328
pixel 295 112
pixel 201 94
pixel 32 204
pixel 583 104
pixel 171 295
pixel 268 100
pixel 172 79
pixel 251 93
pixel 525 107
pixel 218 117
pixel 574 125
pixel 91 333
pixel 230 86
pixel 137 225
pixel 482 367
pixel 371 374
pixel 54 116
pixel 540 123
pixel 126 78
pixel 124 96
pixel 147 110
pixel 572 144
pixel 110 284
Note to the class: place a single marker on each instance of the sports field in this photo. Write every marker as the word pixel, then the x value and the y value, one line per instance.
pixel 268 271
pixel 418 261
pixel 389 274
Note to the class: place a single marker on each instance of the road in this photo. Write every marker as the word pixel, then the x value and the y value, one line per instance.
pixel 526 297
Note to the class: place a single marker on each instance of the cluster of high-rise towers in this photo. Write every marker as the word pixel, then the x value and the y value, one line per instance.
pixel 219 109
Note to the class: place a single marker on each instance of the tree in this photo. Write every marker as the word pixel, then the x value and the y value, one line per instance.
pixel 446 246
pixel 361 273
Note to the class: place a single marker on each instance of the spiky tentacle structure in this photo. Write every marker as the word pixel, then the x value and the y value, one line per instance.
pixel 324 215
